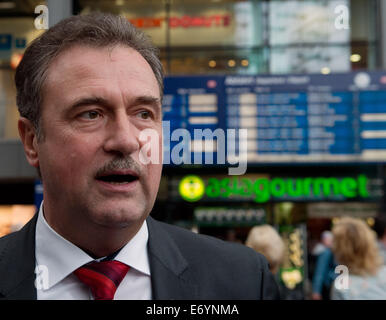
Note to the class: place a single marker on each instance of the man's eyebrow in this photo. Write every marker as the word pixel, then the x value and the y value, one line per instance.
pixel 88 101
pixel 147 100
pixel 95 100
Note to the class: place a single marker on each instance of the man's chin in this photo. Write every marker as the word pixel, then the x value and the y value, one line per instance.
pixel 119 218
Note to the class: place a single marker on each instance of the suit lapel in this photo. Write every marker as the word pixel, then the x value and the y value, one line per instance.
pixel 17 264
pixel 170 274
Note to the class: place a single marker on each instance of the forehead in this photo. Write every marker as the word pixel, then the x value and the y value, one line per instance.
pixel 85 66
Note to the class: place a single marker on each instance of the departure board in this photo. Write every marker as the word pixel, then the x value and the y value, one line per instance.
pixel 289 118
pixel 191 104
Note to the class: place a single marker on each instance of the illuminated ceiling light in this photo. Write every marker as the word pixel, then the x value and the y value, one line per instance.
pixel 325 70
pixel 231 63
pixel 355 57
pixel 245 63
pixel 119 2
pixel 212 63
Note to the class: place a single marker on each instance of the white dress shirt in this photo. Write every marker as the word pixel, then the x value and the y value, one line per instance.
pixel 57 258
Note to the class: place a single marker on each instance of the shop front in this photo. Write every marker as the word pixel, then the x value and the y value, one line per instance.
pixel 300 202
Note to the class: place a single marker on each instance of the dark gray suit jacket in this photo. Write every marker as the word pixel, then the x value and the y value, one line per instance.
pixel 183 265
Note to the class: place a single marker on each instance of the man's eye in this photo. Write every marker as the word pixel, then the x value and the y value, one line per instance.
pixel 144 115
pixel 90 115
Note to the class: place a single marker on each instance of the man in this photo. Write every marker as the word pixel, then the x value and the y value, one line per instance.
pixel 86 89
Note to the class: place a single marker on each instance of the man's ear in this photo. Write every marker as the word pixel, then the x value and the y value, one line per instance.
pixel 29 139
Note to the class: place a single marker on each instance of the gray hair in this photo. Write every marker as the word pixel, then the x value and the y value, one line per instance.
pixel 94 30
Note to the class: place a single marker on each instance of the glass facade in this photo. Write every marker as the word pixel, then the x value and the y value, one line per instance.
pixel 249 37
pixel 17 29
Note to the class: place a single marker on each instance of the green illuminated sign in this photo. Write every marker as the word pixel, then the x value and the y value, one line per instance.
pixel 263 189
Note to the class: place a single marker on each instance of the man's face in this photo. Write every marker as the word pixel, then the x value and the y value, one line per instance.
pixel 96 101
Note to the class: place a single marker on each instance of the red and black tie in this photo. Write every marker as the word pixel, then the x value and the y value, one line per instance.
pixel 103 278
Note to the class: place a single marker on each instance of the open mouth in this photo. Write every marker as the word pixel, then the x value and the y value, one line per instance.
pixel 118 178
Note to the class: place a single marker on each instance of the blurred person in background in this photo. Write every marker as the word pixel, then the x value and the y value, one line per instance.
pixel 266 240
pixel 325 242
pixel 324 273
pixel 355 247
pixel 380 229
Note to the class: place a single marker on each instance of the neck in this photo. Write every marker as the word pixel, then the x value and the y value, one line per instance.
pixel 95 239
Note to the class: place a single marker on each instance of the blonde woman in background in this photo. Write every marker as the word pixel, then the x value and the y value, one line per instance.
pixel 355 246
pixel 265 240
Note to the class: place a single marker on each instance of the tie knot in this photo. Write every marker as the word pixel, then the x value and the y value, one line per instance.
pixel 103 278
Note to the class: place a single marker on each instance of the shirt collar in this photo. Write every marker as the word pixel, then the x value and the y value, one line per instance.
pixel 60 257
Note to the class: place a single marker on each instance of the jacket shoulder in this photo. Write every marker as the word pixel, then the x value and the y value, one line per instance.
pixel 19 243
pixel 8 240
pixel 223 269
pixel 200 245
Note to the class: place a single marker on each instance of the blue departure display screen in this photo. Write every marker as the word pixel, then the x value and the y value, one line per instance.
pixel 289 118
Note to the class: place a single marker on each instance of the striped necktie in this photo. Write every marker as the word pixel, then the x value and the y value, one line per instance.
pixel 103 278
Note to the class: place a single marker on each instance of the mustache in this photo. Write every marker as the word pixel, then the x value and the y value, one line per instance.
pixel 124 163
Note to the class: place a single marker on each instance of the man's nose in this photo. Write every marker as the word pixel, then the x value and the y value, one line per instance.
pixel 122 136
